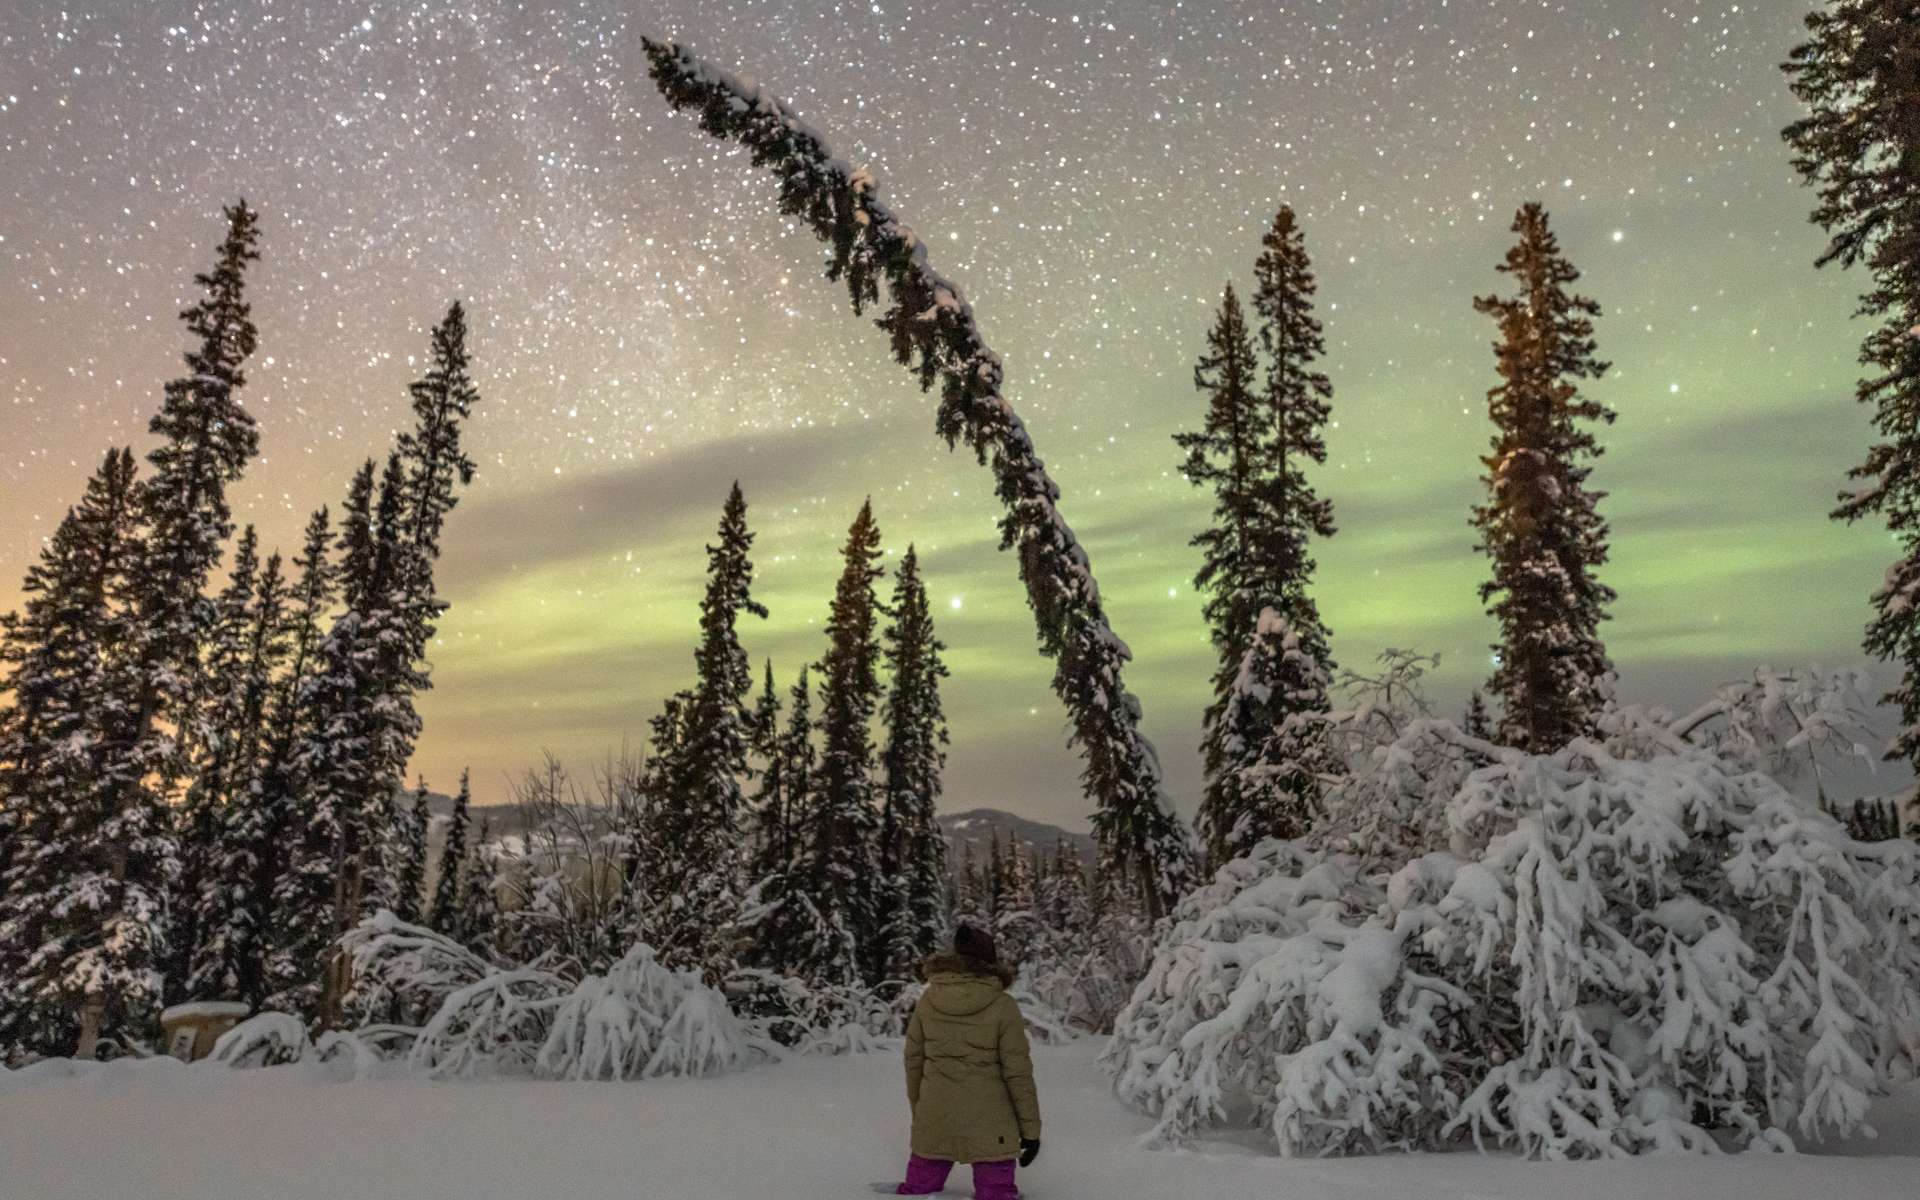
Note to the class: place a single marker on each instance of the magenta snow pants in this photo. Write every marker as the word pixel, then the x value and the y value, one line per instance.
pixel 991 1180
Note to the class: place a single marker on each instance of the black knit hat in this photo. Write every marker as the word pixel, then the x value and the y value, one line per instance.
pixel 970 942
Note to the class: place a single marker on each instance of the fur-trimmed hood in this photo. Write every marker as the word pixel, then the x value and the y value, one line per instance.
pixel 949 963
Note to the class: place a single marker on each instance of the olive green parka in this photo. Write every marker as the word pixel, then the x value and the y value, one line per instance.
pixel 969 1073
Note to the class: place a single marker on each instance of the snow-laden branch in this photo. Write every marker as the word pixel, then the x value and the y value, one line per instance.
pixel 933 332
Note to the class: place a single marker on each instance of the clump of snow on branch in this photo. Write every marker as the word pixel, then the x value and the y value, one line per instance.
pixel 1642 942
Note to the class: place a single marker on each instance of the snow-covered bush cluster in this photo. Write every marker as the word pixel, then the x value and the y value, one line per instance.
pixel 635 1020
pixel 1645 941
pixel 820 1018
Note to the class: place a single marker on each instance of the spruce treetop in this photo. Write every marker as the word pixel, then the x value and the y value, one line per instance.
pixel 1540 525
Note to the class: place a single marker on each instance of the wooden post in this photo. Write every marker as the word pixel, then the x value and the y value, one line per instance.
pixel 92 1012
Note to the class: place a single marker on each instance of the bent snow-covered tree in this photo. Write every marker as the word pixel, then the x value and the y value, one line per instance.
pixel 933 332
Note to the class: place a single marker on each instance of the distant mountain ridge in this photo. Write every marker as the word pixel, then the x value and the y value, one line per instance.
pixel 976 827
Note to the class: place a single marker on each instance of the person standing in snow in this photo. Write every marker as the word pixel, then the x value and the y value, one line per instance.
pixel 969 1075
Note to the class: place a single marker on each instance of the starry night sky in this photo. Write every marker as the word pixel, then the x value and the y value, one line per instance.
pixel 647 327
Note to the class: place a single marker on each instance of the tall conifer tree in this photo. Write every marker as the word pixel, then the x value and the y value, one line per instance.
pixel 1297 399
pixel 840 856
pixel 478 926
pixel 785 925
pixel 1540 524
pixel 1269 513
pixel 311 896
pixel 294 874
pixel 444 913
pixel 375 654
pixel 216 724
pixel 1859 146
pixel 407 865
pixel 57 655
pixel 233 904
pixel 207 438
pixel 1227 454
pixel 771 834
pixel 693 884
pixel 912 855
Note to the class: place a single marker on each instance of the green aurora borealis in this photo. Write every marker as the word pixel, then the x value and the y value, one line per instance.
pixel 647 330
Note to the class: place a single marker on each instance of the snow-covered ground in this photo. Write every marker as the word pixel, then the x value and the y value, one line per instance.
pixel 812 1129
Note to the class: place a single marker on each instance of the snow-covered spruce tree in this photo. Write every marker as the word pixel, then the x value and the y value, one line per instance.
pixel 396 625
pixel 1017 924
pixel 1226 454
pixel 692 883
pixel 970 902
pixel 311 895
pixel 1477 722
pixel 1637 942
pixel 1063 910
pixel 1859 146
pixel 375 654
pixel 839 857
pixel 402 855
pixel 211 734
pixel 407 857
pixel 294 874
pixel 206 439
pixel 56 654
pixel 1540 525
pixel 912 855
pixel 443 913
pixel 233 904
pixel 1274 737
pixel 772 833
pixel 478 926
pixel 1297 399
pixel 368 722
pixel 932 329
pixel 780 920
pixel 1253 449
pixel 437 466
pixel 1871 820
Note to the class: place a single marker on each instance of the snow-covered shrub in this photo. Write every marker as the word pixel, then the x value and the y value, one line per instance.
pixel 1790 724
pixel 636 1020
pixel 641 1020
pixel 820 1018
pixel 497 1021
pixel 1045 1024
pixel 1637 943
pixel 397 966
pixel 267 1039
pixel 1084 981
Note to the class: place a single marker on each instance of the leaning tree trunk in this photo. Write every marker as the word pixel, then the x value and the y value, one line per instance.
pixel 933 332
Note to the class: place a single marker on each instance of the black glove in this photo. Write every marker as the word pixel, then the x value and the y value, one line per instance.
pixel 1029 1150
